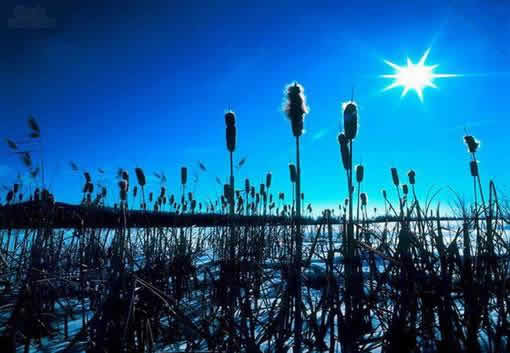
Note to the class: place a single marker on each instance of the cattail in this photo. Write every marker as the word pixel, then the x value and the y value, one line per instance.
pixel 281 196
pixel 163 191
pixel 359 173
pixel 123 189
pixel 257 198
pixel 151 196
pixel 190 196
pixel 262 188
pixel 471 143
pixel 230 121
pixel 21 196
pixel 405 189
pixel 252 192
pixel 247 186
pixel 36 194
pixel 103 192
pixel 385 196
pixel 87 177
pixel 363 197
pixel 140 176
pixel 474 168
pixel 293 173
pixel 125 176
pixel 135 191
pixel 10 196
pixel 15 188
pixel 344 151
pixel 90 188
pixel 411 176
pixel 295 107
pixel 184 175
pixel 302 196
pixel 193 204
pixel 350 120
pixel 172 199
pixel 394 176
pixel 268 180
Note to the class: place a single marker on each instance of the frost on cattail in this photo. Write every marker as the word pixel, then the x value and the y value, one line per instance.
pixel 268 180
pixel 405 189
pixel 293 173
pixel 184 175
pixel 471 143
pixel 473 165
pixel 344 151
pixel 394 176
pixel 230 121
pixel 412 177
pixel 350 112
pixel 140 176
pixel 295 107
pixel 359 173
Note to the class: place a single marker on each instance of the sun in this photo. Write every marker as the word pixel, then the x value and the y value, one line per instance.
pixel 414 76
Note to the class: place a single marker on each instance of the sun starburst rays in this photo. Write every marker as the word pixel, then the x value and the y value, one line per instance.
pixel 414 76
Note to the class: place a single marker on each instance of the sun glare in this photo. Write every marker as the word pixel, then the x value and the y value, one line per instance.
pixel 414 76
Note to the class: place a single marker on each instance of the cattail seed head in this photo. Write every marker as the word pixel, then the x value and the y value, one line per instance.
pixel 405 189
pixel 172 199
pixel 103 192
pixel 262 188
pixel 231 138
pixel 190 196
pixel 125 176
pixel 184 175
pixel 281 196
pixel 471 143
pixel 252 191
pixel 140 176
pixel 394 176
pixel 135 191
pixel 10 196
pixel 151 196
pixel 385 196
pixel 15 188
pixel 295 107
pixel 293 173
pixel 230 119
pixel 412 177
pixel 163 191
pixel 359 173
pixel 350 112
pixel 344 151
pixel 247 185
pixel 473 165
pixel 87 177
pixel 268 180
pixel 363 197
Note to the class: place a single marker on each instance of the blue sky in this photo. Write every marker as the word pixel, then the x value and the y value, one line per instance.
pixel 147 84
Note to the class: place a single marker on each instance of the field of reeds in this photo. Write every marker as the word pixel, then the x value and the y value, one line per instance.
pixel 252 271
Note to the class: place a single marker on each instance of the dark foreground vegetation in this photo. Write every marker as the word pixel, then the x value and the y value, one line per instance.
pixel 247 273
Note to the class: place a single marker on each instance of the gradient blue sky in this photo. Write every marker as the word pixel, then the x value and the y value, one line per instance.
pixel 146 83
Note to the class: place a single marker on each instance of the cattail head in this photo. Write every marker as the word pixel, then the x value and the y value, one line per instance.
pixel 87 177
pixel 359 173
pixel 123 190
pixel 252 191
pixel 184 175
pixel 350 111
pixel 394 176
pixel 247 185
pixel 15 188
pixel 103 192
pixel 190 196
pixel 10 196
pixel 471 143
pixel 293 173
pixel 295 107
pixel 281 196
pixel 262 188
pixel 405 189
pixel 344 151
pixel 135 191
pixel 473 165
pixel 384 195
pixel 363 197
pixel 140 176
pixel 230 121
pixel 268 180
pixel 412 177
pixel 163 191
pixel 125 176
pixel 151 196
